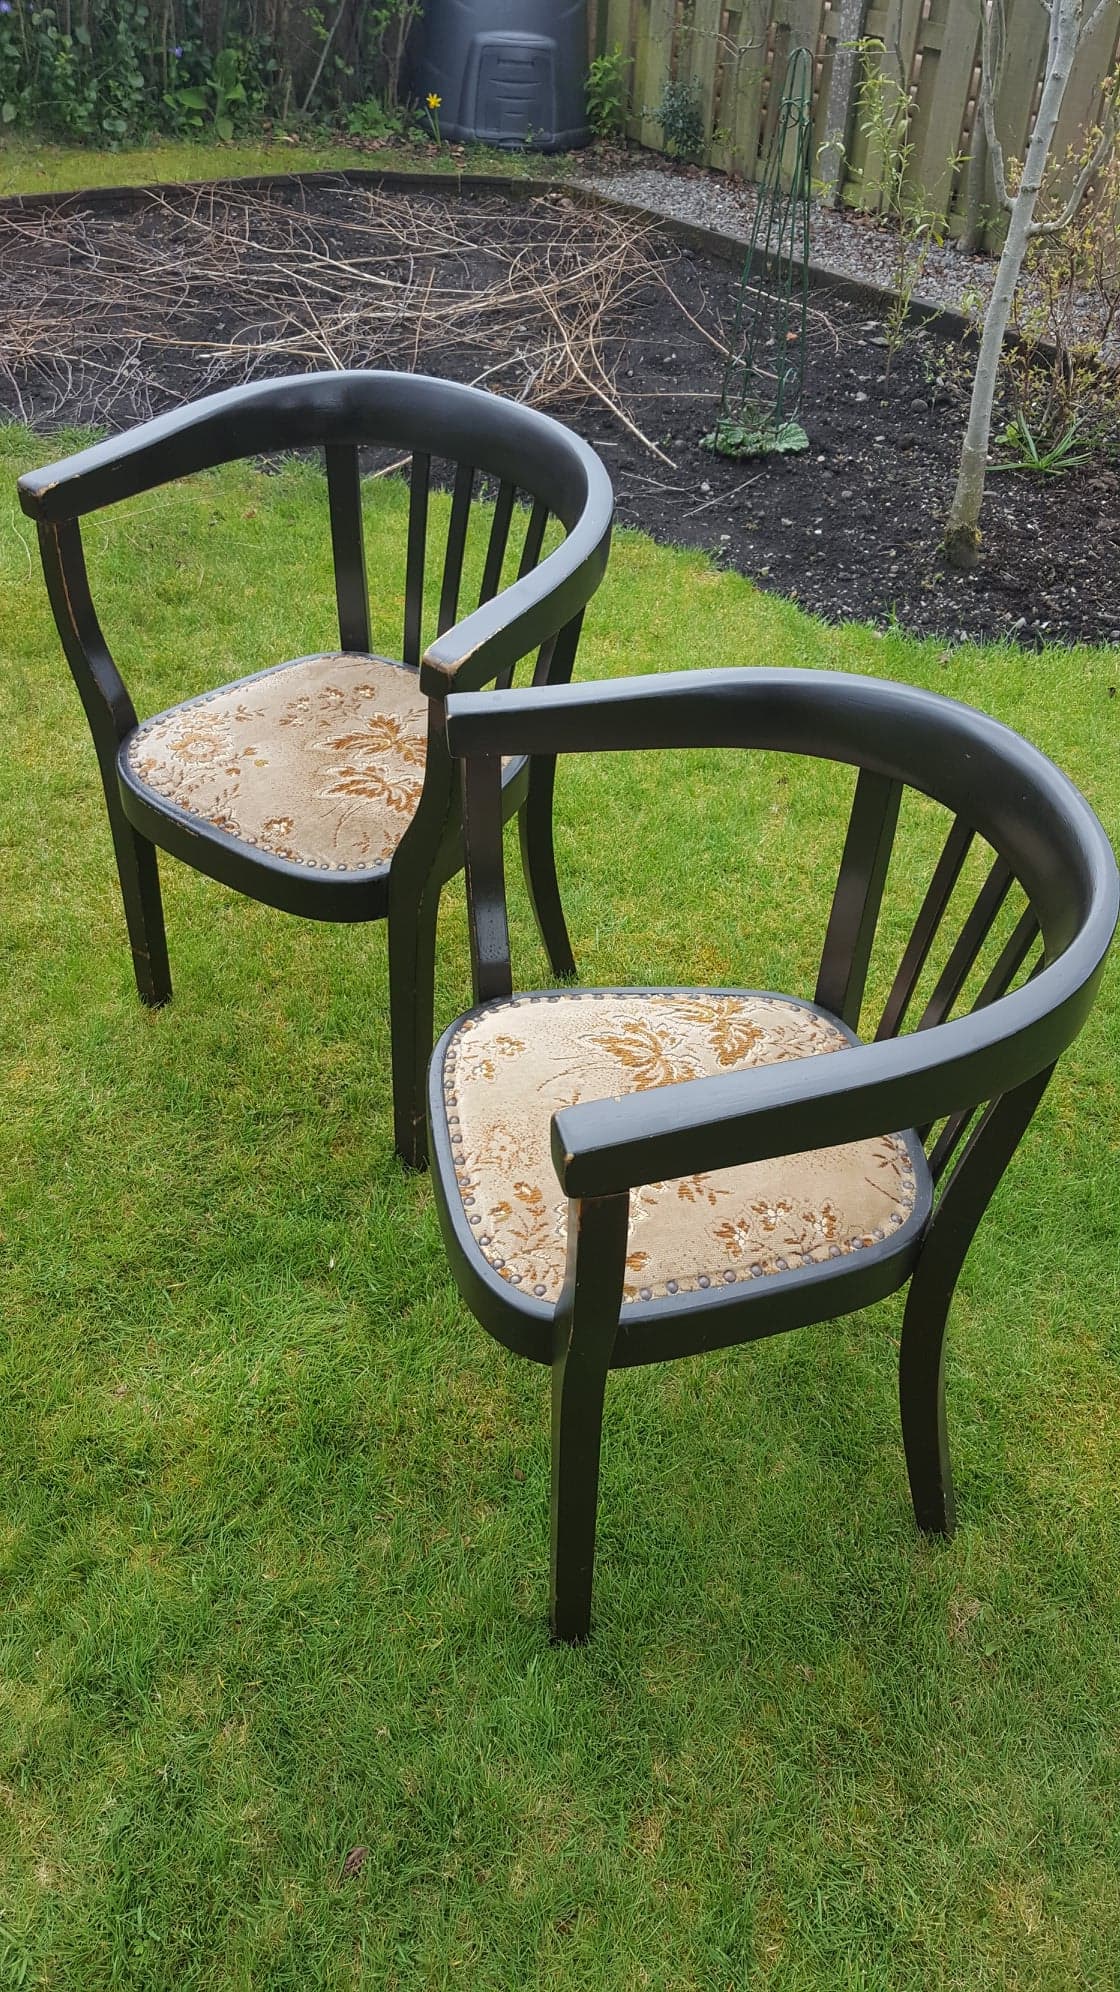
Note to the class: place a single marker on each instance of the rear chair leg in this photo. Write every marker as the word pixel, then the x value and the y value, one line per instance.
pixel 921 1397
pixel 538 858
pixel 412 954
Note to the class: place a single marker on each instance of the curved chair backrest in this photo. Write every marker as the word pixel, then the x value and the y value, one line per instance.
pixel 1023 1007
pixel 477 434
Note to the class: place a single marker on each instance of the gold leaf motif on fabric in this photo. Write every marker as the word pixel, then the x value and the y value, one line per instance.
pixel 320 762
pixel 508 1069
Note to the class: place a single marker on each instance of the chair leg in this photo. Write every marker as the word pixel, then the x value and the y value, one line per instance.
pixel 412 951
pixel 538 858
pixel 584 1338
pixel 577 1427
pixel 921 1396
pixel 138 872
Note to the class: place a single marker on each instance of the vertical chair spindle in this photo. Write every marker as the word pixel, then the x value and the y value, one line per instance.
pixel 967 947
pixel 416 556
pixel 858 896
pixel 344 492
pixel 461 494
pixel 924 933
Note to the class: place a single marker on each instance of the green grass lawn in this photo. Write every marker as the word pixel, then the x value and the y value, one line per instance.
pixel 33 165
pixel 273 1529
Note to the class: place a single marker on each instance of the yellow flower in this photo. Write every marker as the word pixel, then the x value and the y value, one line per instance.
pixel 434 102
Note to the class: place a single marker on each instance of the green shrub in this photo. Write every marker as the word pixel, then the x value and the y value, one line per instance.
pixel 606 94
pixel 108 71
pixel 682 122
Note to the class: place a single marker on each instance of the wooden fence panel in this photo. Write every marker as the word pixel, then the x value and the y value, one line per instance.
pixel 746 71
pixel 699 42
pixel 894 23
pixel 1018 96
pixel 946 60
pixel 842 26
pixel 734 53
pixel 1084 96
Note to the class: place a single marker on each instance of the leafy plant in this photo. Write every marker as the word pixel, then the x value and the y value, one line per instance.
pixel 389 24
pixel 1063 318
pixel 606 94
pixel 1059 457
pixel 222 89
pixel 756 438
pixel 682 122
pixel 917 228
pixel 373 119
pixel 1069 27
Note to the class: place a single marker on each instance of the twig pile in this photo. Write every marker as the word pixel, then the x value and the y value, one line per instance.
pixel 111 318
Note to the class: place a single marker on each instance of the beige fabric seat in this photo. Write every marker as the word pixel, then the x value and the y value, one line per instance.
pixel 320 761
pixel 509 1068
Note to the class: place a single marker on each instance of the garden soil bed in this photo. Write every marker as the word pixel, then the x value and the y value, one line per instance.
pixel 108 316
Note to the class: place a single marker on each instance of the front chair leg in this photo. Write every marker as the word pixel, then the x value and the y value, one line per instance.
pixel 586 1326
pixel 538 859
pixel 921 1396
pixel 412 952
pixel 138 872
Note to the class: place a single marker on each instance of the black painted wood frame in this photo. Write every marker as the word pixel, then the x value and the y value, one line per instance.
pixel 969 1083
pixel 531 457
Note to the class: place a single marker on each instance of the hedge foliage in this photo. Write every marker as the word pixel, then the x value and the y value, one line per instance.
pixel 108 71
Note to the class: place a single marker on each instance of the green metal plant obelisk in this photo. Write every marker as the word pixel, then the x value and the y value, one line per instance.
pixel 765 370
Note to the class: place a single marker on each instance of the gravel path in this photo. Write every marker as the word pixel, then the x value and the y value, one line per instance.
pixel 842 243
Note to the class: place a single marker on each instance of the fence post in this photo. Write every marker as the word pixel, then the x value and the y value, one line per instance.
pixel 840 109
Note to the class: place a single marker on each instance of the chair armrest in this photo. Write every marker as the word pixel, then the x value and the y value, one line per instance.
pixel 195 437
pixel 603 1147
pixel 523 616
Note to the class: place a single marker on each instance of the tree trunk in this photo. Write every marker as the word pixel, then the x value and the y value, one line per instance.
pixel 962 534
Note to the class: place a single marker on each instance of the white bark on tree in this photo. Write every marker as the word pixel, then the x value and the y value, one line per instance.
pixel 1067 31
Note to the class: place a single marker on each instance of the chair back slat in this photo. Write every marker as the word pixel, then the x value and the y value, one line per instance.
pixel 1011 960
pixel 419 480
pixel 344 491
pixel 534 538
pixel 969 942
pixel 930 916
pixel 498 541
pixel 461 495
pixel 858 896
pixel 949 1140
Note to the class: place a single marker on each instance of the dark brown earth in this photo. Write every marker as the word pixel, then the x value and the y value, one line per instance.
pixel 850 529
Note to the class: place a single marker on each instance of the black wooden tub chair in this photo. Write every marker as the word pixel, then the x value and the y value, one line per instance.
pixel 324 786
pixel 627 1176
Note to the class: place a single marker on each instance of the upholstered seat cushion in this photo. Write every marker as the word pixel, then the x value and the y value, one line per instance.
pixel 320 761
pixel 509 1067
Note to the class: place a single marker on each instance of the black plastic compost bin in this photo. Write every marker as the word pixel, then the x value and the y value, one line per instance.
pixel 508 72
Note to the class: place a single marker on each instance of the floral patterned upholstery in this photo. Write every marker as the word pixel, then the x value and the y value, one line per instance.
pixel 507 1069
pixel 320 761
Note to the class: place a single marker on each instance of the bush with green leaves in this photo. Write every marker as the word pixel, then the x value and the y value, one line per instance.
pixel 606 94
pixel 682 122
pixel 107 71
